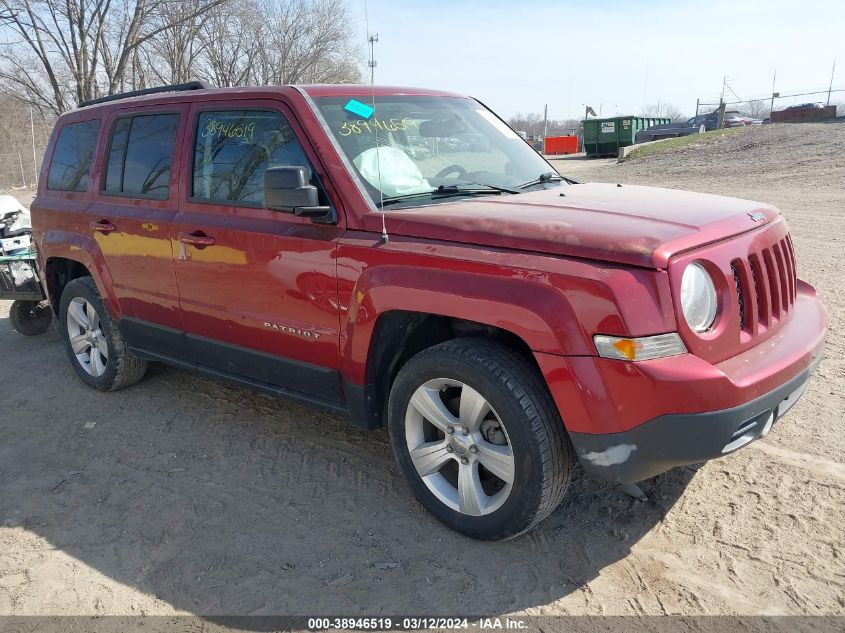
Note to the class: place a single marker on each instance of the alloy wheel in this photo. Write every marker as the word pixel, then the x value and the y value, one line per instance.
pixel 459 447
pixel 86 336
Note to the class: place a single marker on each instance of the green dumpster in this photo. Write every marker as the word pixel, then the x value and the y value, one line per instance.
pixel 604 137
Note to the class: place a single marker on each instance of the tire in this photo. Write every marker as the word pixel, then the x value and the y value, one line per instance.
pixel 521 424
pixel 31 318
pixel 118 367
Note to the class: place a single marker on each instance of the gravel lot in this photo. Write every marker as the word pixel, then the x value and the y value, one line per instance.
pixel 182 495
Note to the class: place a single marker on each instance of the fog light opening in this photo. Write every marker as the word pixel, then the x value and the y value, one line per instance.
pixel 768 426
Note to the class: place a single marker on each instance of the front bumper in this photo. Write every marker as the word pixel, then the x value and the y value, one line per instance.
pixel 630 421
pixel 677 440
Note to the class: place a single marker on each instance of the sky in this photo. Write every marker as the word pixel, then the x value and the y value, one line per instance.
pixel 613 55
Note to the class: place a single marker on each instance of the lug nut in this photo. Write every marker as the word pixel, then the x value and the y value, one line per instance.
pixel 464 430
pixel 449 448
pixel 473 449
pixel 464 460
pixel 450 430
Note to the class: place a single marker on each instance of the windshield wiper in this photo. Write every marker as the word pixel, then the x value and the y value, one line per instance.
pixel 494 187
pixel 446 191
pixel 548 176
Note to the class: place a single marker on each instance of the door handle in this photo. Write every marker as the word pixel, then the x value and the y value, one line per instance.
pixel 103 226
pixel 197 238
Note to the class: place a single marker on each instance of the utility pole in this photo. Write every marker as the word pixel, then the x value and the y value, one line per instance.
pixel 830 88
pixel 696 107
pixel 372 61
pixel 34 158
pixel 545 125
pixel 772 104
pixel 720 117
pixel 23 175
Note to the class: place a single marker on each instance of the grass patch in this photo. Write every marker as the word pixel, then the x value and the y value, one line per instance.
pixel 670 144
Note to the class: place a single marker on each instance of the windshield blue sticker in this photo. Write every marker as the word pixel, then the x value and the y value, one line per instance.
pixel 359 109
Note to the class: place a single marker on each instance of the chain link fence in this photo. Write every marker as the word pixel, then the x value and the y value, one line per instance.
pixel 761 107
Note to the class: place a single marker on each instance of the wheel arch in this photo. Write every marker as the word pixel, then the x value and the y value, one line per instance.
pixel 68 256
pixel 397 336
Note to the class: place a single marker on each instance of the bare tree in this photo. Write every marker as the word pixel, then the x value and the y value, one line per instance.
pixel 306 42
pixel 23 138
pixel 172 56
pixel 231 39
pixel 532 124
pixel 664 110
pixel 758 108
pixel 79 49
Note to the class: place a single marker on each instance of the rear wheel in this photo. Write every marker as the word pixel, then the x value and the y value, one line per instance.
pixel 479 439
pixel 31 318
pixel 94 345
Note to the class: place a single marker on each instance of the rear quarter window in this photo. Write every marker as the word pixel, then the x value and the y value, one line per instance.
pixel 71 165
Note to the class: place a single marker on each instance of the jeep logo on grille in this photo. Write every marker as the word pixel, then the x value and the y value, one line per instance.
pixel 757 217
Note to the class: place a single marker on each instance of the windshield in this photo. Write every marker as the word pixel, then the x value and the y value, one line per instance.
pixel 431 145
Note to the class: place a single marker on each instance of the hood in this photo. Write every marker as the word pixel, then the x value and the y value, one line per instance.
pixel 640 226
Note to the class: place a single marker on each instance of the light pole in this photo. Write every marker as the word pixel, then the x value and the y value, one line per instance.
pixel 372 61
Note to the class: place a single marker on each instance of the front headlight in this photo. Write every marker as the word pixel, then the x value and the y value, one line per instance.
pixel 698 298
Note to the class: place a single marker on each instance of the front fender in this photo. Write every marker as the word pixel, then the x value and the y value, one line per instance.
pixel 524 305
pixel 85 250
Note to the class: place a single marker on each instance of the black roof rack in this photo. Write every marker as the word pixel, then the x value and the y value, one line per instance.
pixel 191 85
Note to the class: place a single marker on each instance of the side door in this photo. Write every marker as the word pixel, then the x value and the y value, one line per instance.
pixel 134 202
pixel 257 288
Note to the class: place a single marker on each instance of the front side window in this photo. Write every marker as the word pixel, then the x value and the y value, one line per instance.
pixel 413 146
pixel 140 155
pixel 72 157
pixel 233 149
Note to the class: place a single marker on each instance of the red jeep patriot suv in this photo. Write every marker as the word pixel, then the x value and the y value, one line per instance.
pixel 403 257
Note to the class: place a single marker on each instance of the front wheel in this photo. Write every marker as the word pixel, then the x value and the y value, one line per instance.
pixel 479 439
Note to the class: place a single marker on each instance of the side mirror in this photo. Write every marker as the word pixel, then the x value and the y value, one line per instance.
pixel 288 189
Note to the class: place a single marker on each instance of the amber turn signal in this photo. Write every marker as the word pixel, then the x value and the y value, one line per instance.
pixel 641 348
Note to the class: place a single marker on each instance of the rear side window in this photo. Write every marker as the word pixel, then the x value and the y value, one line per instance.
pixel 140 154
pixel 71 164
pixel 233 149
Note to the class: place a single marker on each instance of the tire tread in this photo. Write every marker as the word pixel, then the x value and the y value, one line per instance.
pixel 526 384
pixel 129 369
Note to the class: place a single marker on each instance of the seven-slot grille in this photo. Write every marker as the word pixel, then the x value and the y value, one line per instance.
pixel 766 284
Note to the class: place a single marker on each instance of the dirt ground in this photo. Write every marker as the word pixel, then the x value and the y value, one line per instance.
pixel 183 495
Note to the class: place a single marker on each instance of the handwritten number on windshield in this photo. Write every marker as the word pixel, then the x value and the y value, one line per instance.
pixel 359 126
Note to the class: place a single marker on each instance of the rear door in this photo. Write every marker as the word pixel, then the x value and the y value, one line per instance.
pixel 133 205
pixel 257 288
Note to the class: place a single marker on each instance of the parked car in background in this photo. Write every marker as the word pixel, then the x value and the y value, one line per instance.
pixel 286 239
pixel 709 121
pixel 737 121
